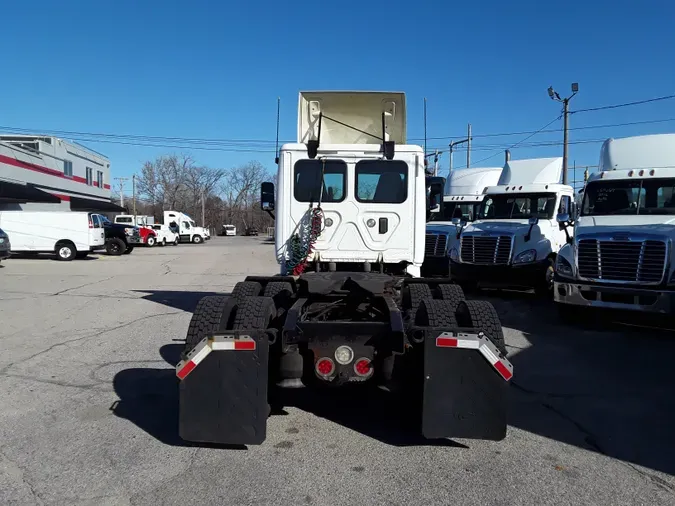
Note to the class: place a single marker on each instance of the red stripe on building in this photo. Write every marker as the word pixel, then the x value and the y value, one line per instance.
pixel 44 170
pixel 65 198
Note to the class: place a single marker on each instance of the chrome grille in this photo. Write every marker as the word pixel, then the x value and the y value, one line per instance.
pixel 629 261
pixel 434 245
pixel 488 250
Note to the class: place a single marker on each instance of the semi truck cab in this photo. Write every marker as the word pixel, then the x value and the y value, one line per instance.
pixel 462 197
pixel 622 254
pixel 515 237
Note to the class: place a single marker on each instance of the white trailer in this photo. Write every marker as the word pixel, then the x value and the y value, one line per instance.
pixel 185 227
pixel 463 194
pixel 515 239
pixel 67 234
pixel 622 255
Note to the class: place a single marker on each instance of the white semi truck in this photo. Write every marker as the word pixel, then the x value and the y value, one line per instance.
pixel 463 194
pixel 622 255
pixel 348 307
pixel 515 238
pixel 185 227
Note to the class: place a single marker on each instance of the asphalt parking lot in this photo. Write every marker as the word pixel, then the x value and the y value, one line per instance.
pixel 89 403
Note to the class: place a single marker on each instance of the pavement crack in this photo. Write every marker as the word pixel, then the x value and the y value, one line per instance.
pixel 82 286
pixel 88 336
pixel 22 476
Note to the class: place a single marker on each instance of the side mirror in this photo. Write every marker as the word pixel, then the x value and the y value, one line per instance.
pixel 562 218
pixel 533 221
pixel 435 185
pixel 267 196
pixel 456 221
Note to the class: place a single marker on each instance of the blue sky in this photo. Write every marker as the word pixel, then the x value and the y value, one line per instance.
pixel 214 70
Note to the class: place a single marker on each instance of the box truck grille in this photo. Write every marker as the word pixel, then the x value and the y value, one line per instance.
pixel 435 244
pixel 629 261
pixel 495 250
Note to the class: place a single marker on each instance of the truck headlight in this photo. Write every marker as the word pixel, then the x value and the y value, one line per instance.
pixel 526 257
pixel 454 255
pixel 129 231
pixel 563 267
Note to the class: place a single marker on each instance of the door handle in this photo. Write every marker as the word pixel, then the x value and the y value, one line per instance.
pixel 384 225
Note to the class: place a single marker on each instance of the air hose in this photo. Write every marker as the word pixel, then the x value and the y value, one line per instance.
pixel 300 248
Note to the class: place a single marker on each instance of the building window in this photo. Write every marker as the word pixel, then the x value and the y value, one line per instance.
pixel 99 179
pixel 90 176
pixel 67 168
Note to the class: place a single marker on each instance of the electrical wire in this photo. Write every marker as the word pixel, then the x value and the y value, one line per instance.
pixel 626 104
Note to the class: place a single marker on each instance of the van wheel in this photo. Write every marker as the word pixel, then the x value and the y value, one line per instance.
pixel 197 239
pixel 175 241
pixel 115 246
pixel 164 242
pixel 65 251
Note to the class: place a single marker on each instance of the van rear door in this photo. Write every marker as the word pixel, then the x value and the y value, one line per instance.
pixel 96 231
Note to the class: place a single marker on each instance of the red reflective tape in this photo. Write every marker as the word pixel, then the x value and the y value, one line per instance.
pixel 446 342
pixel 187 369
pixel 503 370
pixel 244 345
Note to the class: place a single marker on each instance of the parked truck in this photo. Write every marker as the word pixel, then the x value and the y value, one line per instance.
pixel 515 238
pixel 463 194
pixel 621 255
pixel 185 227
pixel 348 307
pixel 144 225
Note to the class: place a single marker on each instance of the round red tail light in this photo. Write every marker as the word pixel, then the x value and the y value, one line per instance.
pixel 363 367
pixel 324 367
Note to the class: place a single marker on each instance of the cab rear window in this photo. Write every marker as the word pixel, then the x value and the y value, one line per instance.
pixel 307 180
pixel 382 181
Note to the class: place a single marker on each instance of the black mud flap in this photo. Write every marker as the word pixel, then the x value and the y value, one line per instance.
pixel 465 387
pixel 223 389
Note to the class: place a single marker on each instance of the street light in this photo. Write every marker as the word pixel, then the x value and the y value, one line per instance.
pixel 565 101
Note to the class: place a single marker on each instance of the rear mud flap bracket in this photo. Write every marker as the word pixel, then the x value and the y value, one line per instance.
pixel 223 389
pixel 465 387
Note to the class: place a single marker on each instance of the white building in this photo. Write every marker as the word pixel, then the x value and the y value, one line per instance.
pixel 47 173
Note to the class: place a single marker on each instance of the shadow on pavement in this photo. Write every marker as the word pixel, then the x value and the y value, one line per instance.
pixel 185 301
pixel 603 386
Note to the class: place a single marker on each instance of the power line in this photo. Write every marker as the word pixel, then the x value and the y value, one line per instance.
pixel 627 104
pixel 520 141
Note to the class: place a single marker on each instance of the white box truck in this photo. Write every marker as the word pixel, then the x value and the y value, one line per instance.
pixel 67 234
pixel 622 255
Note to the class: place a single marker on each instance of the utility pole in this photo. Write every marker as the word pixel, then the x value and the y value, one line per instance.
pixel 452 147
pixel 566 112
pixel 121 181
pixel 436 163
pixel 203 211
pixel 468 146
pixel 133 190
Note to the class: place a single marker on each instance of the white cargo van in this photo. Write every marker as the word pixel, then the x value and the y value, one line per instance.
pixel 67 234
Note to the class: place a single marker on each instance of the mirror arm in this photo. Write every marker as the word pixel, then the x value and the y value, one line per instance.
pixel 271 214
pixel 529 233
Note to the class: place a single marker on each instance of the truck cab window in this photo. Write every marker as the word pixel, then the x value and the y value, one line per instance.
pixel 307 180
pixel 186 224
pixel 382 182
pixel 646 196
pixel 518 206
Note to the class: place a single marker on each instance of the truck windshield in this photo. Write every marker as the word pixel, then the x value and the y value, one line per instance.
pixel 638 196
pixel 450 210
pixel 504 206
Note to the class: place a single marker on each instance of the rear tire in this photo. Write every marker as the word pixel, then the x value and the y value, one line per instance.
pixel 254 313
pixel 65 251
pixel 482 316
pixel 436 313
pixel 413 295
pixel 205 320
pixel 451 293
pixel 115 246
pixel 246 289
